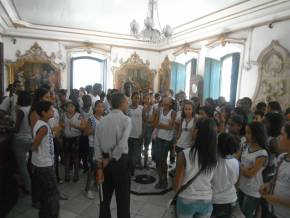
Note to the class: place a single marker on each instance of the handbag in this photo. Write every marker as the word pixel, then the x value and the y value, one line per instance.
pixel 171 212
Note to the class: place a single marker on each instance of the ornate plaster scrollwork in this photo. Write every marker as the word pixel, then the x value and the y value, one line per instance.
pixel 274 75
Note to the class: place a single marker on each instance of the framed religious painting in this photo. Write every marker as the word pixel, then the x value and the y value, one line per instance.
pixel 35 69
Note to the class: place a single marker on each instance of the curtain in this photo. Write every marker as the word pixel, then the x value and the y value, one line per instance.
pixel 234 77
pixel 212 76
pixel 178 77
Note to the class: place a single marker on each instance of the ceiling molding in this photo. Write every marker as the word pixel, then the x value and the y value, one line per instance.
pixel 237 17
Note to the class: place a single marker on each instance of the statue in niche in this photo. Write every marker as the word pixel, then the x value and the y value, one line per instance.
pixel 274 75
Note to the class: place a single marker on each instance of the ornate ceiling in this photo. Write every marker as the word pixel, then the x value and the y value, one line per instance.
pixel 107 21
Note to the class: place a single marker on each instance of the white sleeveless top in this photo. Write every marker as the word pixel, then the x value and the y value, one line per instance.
pixel 164 133
pixel 136 119
pixel 70 132
pixel 201 188
pixel 251 185
pixel 44 157
pixel 185 140
pixel 25 129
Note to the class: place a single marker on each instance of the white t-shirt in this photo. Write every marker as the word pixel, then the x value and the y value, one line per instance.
pixel 250 186
pixel 282 187
pixel 94 122
pixel 70 132
pixel 94 99
pixel 201 188
pixel 44 156
pixel 225 177
pixel 185 140
pixel 136 118
pixel 87 115
pixel 54 122
pixel 165 134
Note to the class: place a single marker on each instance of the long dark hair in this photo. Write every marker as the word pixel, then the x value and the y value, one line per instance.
pixel 205 146
pixel 259 133
pixel 38 94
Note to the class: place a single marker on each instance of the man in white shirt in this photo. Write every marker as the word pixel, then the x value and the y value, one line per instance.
pixel 8 105
pixel 111 151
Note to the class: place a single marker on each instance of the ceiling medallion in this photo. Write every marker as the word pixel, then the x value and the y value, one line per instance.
pixel 151 33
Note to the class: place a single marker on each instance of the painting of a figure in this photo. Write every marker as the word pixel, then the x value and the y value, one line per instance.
pixel 36 75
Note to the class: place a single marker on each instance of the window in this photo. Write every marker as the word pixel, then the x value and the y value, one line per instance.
pixel 87 71
pixel 226 74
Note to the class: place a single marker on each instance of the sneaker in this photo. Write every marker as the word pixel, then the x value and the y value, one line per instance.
pixel 89 194
pixel 60 181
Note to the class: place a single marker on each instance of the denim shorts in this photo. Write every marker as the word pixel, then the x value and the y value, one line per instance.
pixel 194 208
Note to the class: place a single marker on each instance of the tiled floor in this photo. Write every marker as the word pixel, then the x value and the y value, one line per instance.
pixel 78 206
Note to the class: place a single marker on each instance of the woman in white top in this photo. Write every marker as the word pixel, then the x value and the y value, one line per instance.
pixel 165 125
pixel 196 199
pixel 135 112
pixel 86 111
pixel 22 138
pixel 226 176
pixel 253 161
pixel 90 131
pixel 73 126
pixel 186 127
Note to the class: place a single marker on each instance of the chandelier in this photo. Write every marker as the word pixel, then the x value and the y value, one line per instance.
pixel 151 33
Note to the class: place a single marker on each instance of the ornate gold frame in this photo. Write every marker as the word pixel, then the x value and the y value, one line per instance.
pixel 124 72
pixel 164 74
pixel 35 55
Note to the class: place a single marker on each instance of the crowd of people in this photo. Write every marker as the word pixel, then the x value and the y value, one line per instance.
pixel 227 156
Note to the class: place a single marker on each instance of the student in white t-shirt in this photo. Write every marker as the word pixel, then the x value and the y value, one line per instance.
pixel 226 176
pixel 73 125
pixel 196 200
pixel 253 161
pixel 277 191
pixel 135 112
pixel 90 131
pixel 186 127
pixel 43 176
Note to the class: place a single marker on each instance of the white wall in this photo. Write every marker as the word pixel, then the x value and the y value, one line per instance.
pixel 261 38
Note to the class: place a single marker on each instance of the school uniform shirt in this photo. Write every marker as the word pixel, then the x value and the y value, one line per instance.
pixel 282 187
pixel 225 177
pixel 94 99
pixel 44 156
pixel 201 188
pixel 24 129
pixel 136 119
pixel 70 132
pixel 9 105
pixel 112 135
pixel 185 140
pixel 250 186
pixel 94 122
pixel 54 121
pixel 165 134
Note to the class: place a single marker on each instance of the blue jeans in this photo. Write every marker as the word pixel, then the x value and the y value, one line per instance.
pixel 21 146
pixel 193 209
pixel 248 204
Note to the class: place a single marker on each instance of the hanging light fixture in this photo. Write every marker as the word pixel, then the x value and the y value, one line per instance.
pixel 151 33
